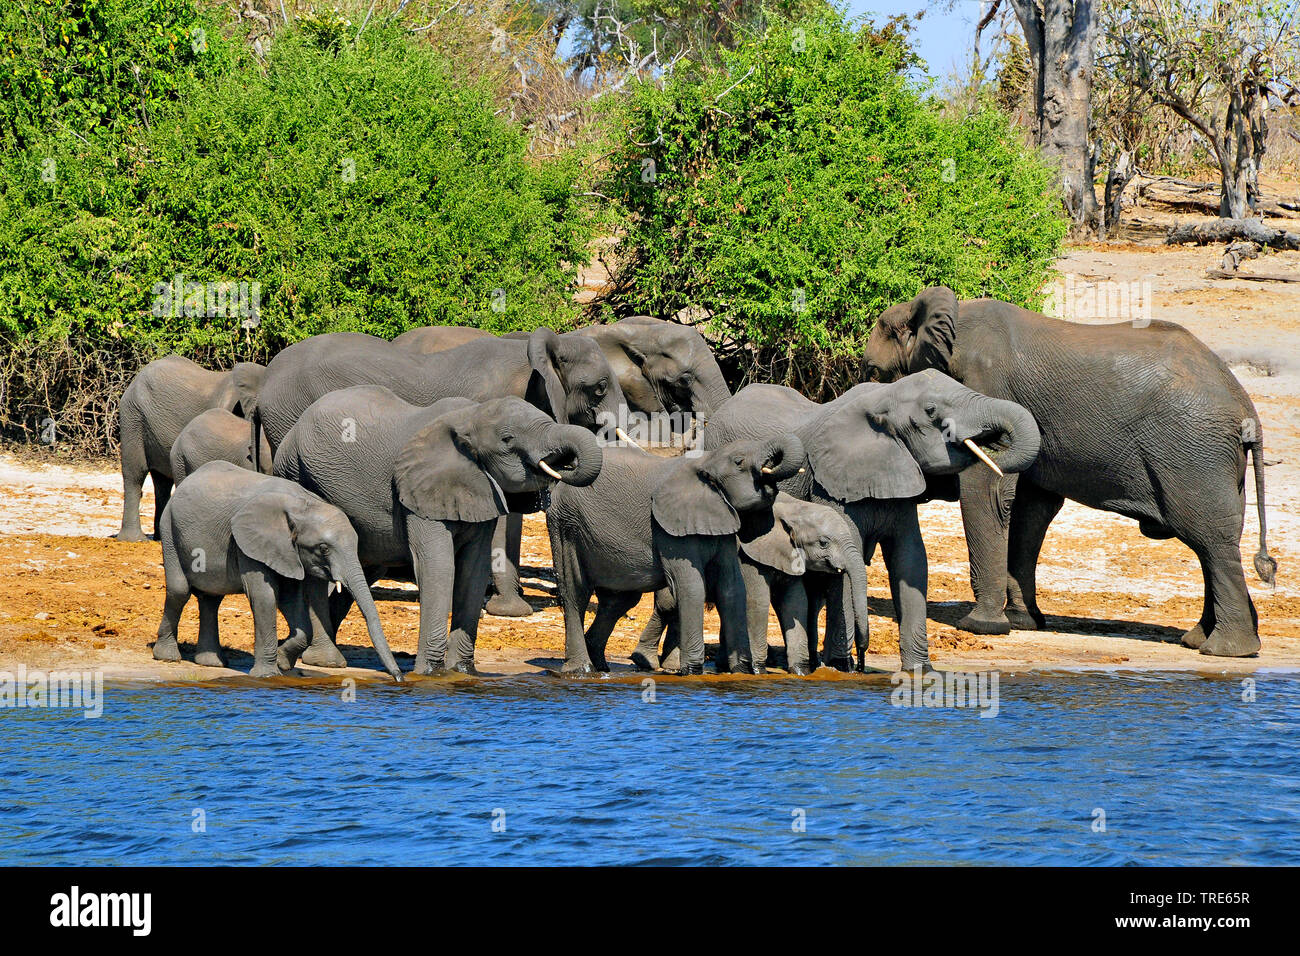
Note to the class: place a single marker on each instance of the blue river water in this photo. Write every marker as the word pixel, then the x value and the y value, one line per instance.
pixel 1073 770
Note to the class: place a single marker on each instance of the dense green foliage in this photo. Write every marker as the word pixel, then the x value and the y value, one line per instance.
pixel 807 185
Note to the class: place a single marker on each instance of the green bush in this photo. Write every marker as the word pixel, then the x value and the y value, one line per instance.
pixel 796 192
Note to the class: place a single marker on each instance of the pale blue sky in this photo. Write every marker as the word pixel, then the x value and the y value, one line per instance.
pixel 943 38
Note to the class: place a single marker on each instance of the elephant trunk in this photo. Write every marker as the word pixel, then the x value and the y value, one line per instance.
pixel 573 453
pixel 354 579
pixel 709 389
pixel 856 568
pixel 1018 435
pixel 783 456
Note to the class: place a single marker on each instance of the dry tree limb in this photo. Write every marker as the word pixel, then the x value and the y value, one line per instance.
pixel 1226 230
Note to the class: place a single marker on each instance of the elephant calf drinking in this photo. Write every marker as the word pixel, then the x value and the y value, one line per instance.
pixel 228 529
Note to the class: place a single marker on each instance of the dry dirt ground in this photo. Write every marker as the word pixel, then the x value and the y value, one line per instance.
pixel 73 597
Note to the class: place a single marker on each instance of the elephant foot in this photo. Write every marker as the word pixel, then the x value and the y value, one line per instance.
pixel 1194 638
pixel 323 654
pixel 799 670
pixel 133 535
pixel 645 660
pixel 1025 620
pixel 759 669
pixel 691 670
pixel 839 663
pixel 673 662
pixel 209 659
pixel 913 665
pixel 166 650
pixel 463 667
pixel 577 667
pixel 428 668
pixel 508 605
pixel 264 670
pixel 1222 643
pixel 741 667
pixel 976 623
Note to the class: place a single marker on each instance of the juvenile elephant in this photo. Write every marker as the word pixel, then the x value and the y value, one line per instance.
pixel 424 488
pixel 228 529
pixel 870 452
pixel 161 400
pixel 215 435
pixel 797 559
pixel 1143 421
pixel 565 376
pixel 649 522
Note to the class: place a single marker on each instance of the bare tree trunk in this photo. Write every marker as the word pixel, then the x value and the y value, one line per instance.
pixel 1061 36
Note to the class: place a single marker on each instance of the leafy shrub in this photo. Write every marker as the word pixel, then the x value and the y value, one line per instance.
pixel 795 193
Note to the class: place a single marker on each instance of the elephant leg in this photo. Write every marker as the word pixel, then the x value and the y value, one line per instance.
pixel 293 605
pixel 986 513
pixel 433 553
pixel 327 613
pixel 758 598
pixel 263 590
pixel 165 648
pixel 905 559
pixel 684 569
pixel 1032 512
pixel 472 572
pixel 315 605
pixel 162 492
pixel 646 654
pixel 840 624
pixel 610 607
pixel 733 615
pixel 671 655
pixel 1196 635
pixel 793 613
pixel 134 469
pixel 1236 623
pixel 208 653
pixel 574 595
pixel 508 595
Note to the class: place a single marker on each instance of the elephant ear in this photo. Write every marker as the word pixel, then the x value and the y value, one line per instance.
pixel 437 476
pixel 766 539
pixel 264 530
pixel 545 390
pixel 855 456
pixel 688 502
pixel 933 325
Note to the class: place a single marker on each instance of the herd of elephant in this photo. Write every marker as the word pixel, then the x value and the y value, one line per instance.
pixel 350 458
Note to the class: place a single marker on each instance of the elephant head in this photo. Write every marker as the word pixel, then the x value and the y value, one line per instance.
pixel 463 466
pixel 707 495
pixel 571 379
pixel 296 535
pixel 242 384
pixel 662 366
pixel 912 336
pixel 800 536
pixel 881 441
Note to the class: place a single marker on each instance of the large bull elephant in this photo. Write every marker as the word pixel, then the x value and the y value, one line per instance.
pixel 869 454
pixel 424 488
pixel 159 402
pixel 566 376
pixel 1144 421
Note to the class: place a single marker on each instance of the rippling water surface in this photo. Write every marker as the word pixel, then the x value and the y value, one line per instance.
pixel 717 772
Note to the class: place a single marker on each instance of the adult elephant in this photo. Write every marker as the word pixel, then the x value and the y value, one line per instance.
pixel 869 454
pixel 661 366
pixel 1143 421
pixel 565 376
pixel 424 487
pixel 164 397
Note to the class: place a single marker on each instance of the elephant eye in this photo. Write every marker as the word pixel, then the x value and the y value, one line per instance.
pixel 823 542
pixel 738 462
pixel 930 409
pixel 602 386
pixel 507 439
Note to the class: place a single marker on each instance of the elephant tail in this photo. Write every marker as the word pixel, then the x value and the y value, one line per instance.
pixel 1265 565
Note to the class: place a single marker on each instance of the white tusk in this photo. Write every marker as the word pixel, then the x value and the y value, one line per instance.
pixel 767 471
pixel 549 470
pixel 979 453
pixel 624 436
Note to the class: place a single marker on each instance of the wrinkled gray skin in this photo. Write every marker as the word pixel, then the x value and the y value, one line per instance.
pixel 228 529
pixel 215 435
pixel 438 338
pixel 424 488
pixel 1143 421
pixel 792 559
pixel 566 376
pixel 869 454
pixel 649 522
pixel 161 400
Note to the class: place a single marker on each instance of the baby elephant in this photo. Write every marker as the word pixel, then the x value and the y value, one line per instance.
pixel 216 435
pixel 228 529
pixel 797 559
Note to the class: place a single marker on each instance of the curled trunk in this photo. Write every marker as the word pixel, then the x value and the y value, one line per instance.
pixel 1020 434
pixel 783 457
pixel 578 452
